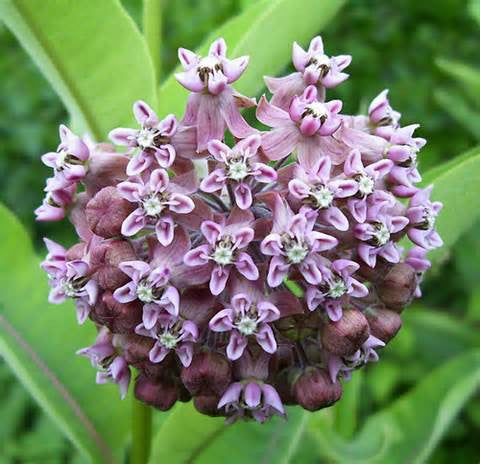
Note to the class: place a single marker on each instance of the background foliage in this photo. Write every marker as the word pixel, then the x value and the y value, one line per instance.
pixel 427 54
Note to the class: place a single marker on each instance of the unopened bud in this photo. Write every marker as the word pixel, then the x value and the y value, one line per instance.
pixel 397 289
pixel 208 374
pixel 207 405
pixel 118 317
pixel 76 251
pixel 345 336
pixel 161 394
pixel 384 323
pixel 105 168
pixel 314 389
pixel 134 348
pixel 106 212
pixel 105 259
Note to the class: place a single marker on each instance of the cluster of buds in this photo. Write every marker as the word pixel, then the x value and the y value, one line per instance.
pixel 267 280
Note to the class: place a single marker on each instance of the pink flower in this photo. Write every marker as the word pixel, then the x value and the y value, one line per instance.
pixel 157 142
pixel 59 196
pixel 313 67
pixel 236 166
pixel 293 242
pixel 171 333
pixel 377 234
pixel 317 192
pixel 213 104
pixel 157 199
pixel 68 162
pixel 422 214
pixel 416 258
pixel 224 246
pixel 383 116
pixel 337 285
pixel 306 127
pixel 251 398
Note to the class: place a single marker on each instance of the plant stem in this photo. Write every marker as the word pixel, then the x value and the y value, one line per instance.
pixel 141 432
pixel 152 30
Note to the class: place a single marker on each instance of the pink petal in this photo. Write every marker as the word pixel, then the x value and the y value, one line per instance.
pixel 165 229
pixel 266 339
pixel 198 256
pixel 270 115
pixel 232 117
pixel 280 142
pixel 233 69
pixel 336 218
pixel 139 163
pixel 252 394
pixel 187 58
pixel 222 321
pixel 210 124
pixel 243 196
pixel 271 397
pixel 123 136
pixel 236 345
pixel 246 266
pixel 165 155
pixel 133 223
pixel 264 173
pixel 158 353
pixel 190 80
pixel 277 271
pixel 144 114
pixel 219 279
pixel 180 204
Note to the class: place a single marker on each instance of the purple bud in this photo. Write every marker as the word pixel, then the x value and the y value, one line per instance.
pixel 134 348
pixel 384 323
pixel 118 317
pixel 347 335
pixel 208 374
pixel 76 251
pixel 314 389
pixel 106 212
pixel 207 405
pixel 162 394
pixel 397 289
pixel 105 259
pixel 105 168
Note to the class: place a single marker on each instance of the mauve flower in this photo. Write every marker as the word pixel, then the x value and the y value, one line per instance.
pixel 416 258
pixel 213 105
pixel 422 214
pixel 306 127
pixel 111 367
pixel 293 242
pixel 237 166
pixel 366 177
pixel 68 162
pixel 403 152
pixel 247 315
pixel 345 365
pixel 59 195
pixel 318 192
pixel 336 286
pixel 382 116
pixel 55 263
pixel 155 142
pixel 252 398
pixel 157 199
pixel 376 233
pixel 225 242
pixel 313 67
pixel 171 333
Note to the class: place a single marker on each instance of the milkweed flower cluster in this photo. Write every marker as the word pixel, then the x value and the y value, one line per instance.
pixel 270 279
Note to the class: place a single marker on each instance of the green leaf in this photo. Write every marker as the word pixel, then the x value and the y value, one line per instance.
pixel 210 440
pixel 152 30
pixel 457 186
pixel 256 32
pixel 346 411
pixel 91 53
pixel 39 341
pixel 412 427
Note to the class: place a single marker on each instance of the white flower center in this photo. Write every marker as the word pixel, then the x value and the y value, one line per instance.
pixel 429 218
pixel 323 196
pixel 237 170
pixel 382 234
pixel 317 110
pixel 210 62
pixel 152 206
pixel 296 253
pixel 321 60
pixel 223 254
pixel 146 137
pixel 365 185
pixel 168 340
pixel 68 288
pixel 246 325
pixel 61 159
pixel 145 293
pixel 337 288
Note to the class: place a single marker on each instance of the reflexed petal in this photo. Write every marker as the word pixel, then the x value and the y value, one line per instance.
pixel 158 353
pixel 233 69
pixel 165 230
pixel 126 294
pixel 266 339
pixel 277 271
pixel 139 163
pixel 243 196
pixel 144 114
pixel 271 397
pixel 190 80
pixel 270 115
pixel 236 345
pixel 222 321
pixel 336 218
pixel 210 123
pixel 231 115
pixel 219 279
pixel 165 155
pixel 133 223
pixel 246 266
pixel 231 395
pixel 211 231
pixel 198 256
pixel 214 181
pixel 185 353
pixel 181 204
pixel 264 173
pixel 252 394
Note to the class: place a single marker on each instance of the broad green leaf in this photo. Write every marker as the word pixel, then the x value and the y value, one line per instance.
pixel 210 440
pixel 256 32
pixel 467 77
pixel 474 10
pixel 457 186
pixel 410 429
pixel 346 411
pixel 39 341
pixel 152 30
pixel 91 53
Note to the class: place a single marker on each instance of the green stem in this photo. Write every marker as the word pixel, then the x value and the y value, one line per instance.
pixel 152 30
pixel 141 432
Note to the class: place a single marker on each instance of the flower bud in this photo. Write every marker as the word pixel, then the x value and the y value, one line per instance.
pixel 397 289
pixel 384 323
pixel 106 212
pixel 314 389
pixel 76 251
pixel 284 385
pixel 161 394
pixel 118 317
pixel 345 336
pixel 207 405
pixel 208 374
pixel 105 168
pixel 134 348
pixel 105 258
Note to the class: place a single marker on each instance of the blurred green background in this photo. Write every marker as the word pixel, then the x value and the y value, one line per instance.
pixel 426 53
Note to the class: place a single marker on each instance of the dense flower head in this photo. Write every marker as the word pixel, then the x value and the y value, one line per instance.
pixel 265 280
